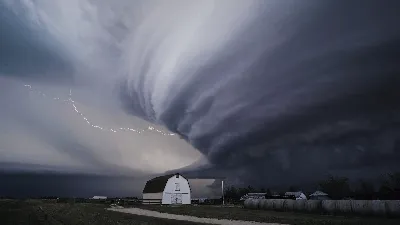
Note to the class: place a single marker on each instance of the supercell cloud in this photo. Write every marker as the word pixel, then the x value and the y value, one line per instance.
pixel 271 92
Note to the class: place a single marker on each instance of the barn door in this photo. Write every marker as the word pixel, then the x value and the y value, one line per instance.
pixel 176 199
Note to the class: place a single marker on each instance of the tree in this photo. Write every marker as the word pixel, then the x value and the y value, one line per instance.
pixel 293 189
pixel 365 191
pixel 242 191
pixel 231 193
pixel 251 189
pixel 336 187
pixel 390 188
pixel 393 181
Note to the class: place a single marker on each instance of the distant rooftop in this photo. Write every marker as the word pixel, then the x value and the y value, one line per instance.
pixel 319 193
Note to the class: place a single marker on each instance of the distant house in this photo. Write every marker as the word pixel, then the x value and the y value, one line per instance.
pixel 319 195
pixel 253 196
pixel 274 195
pixel 298 195
pixel 99 197
pixel 168 189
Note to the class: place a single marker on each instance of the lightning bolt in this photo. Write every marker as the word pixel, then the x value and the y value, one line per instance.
pixel 77 111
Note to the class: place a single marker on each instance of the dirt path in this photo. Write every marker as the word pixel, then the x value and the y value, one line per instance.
pixel 144 212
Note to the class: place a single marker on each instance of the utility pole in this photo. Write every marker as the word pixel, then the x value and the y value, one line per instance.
pixel 222 187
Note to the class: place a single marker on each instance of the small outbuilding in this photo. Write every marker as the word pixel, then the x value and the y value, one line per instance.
pixel 99 197
pixel 168 189
pixel 298 195
pixel 319 195
pixel 253 196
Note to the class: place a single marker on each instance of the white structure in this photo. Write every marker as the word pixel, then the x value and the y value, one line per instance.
pixel 168 189
pixel 319 195
pixel 99 197
pixel 298 195
pixel 253 196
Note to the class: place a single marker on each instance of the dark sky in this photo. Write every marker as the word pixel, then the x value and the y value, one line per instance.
pixel 323 100
pixel 269 92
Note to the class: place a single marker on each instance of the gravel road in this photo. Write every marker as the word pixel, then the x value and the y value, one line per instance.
pixel 144 212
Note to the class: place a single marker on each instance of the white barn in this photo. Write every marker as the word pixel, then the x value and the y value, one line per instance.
pixel 99 197
pixel 168 189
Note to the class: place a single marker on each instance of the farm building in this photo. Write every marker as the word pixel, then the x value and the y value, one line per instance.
pixel 168 189
pixel 253 196
pixel 319 195
pixel 298 195
pixel 99 197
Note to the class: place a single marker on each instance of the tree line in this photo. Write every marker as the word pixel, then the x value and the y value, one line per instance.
pixel 336 187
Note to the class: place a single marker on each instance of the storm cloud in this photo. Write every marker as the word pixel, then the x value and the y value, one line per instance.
pixel 301 90
pixel 267 92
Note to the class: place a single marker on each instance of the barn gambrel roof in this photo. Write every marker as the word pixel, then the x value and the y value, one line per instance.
pixel 157 185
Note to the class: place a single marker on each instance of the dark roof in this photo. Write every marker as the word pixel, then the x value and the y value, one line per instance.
pixel 157 185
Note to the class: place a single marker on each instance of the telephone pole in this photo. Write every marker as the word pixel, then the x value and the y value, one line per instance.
pixel 223 196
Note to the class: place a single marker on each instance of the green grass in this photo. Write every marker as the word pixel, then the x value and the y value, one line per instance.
pixel 269 216
pixel 37 212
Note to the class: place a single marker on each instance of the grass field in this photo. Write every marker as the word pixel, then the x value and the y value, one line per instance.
pixel 269 216
pixel 35 212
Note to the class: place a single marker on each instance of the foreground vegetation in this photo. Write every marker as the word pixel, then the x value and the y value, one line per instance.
pixel 46 212
pixel 237 213
pixel 39 212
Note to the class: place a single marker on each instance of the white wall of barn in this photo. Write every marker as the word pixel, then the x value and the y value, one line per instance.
pixel 176 185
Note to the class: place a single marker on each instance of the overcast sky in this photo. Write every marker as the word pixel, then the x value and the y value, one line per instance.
pixel 264 91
